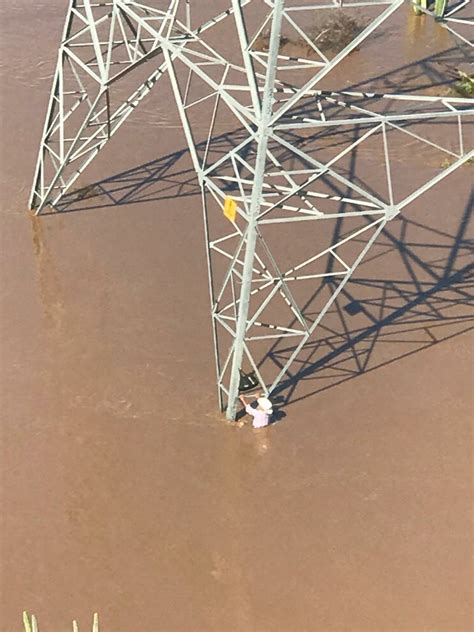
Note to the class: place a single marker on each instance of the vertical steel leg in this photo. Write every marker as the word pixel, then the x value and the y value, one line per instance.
pixel 251 236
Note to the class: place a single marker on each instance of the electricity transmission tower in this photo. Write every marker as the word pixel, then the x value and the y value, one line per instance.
pixel 307 177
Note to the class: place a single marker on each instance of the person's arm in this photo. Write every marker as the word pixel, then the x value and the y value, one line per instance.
pixel 248 407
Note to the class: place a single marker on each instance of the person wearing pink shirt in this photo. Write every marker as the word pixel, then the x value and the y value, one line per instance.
pixel 261 414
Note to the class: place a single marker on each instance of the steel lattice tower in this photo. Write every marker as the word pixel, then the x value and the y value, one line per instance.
pixel 277 177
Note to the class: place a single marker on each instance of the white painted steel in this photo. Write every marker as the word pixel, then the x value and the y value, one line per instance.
pixel 277 182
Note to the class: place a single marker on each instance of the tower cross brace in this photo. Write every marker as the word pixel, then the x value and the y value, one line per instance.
pixel 279 172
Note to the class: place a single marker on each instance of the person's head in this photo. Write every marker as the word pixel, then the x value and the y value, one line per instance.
pixel 265 404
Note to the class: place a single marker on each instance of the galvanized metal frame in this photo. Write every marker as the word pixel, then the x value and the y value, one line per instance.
pixel 271 114
pixel 452 24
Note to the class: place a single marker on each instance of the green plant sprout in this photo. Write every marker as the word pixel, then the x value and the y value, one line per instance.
pixel 31 625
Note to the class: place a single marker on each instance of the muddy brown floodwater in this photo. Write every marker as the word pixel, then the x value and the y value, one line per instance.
pixel 124 491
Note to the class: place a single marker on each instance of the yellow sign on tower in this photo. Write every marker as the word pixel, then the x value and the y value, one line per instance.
pixel 230 208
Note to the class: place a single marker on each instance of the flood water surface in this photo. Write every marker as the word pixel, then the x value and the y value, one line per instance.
pixel 125 492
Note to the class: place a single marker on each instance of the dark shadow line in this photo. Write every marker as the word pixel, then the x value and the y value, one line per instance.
pixel 420 298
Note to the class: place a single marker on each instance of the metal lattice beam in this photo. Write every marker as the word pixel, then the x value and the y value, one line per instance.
pixel 290 165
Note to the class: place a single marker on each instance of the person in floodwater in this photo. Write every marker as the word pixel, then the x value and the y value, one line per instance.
pixel 262 413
